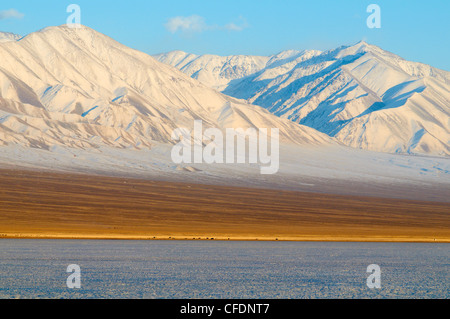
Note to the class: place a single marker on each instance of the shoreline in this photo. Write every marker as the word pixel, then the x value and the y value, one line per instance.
pixel 231 238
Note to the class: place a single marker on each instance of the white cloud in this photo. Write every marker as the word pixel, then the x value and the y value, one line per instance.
pixel 11 14
pixel 233 27
pixel 195 23
pixel 192 23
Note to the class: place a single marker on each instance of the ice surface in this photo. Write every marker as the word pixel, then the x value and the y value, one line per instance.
pixel 211 269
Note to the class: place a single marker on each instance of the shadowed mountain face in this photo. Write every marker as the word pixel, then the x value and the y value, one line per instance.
pixel 362 95
pixel 81 89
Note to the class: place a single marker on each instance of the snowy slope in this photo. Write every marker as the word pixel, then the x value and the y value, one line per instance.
pixel 329 169
pixel 7 36
pixel 217 71
pixel 81 89
pixel 362 95
pixel 212 70
pixel 76 100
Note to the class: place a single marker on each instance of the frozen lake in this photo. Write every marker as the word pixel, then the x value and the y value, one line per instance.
pixel 214 269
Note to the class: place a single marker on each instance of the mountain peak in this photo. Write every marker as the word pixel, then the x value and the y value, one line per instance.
pixel 80 31
pixel 75 87
pixel 69 26
pixel 351 93
pixel 361 42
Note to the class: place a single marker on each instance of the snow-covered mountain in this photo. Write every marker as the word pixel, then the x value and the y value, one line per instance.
pixel 7 36
pixel 362 95
pixel 81 89
pixel 217 71
pixel 76 100
pixel 212 70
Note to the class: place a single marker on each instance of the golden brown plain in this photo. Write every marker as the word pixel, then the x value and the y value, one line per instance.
pixel 52 205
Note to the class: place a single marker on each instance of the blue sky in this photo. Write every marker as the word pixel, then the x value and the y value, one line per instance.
pixel 416 30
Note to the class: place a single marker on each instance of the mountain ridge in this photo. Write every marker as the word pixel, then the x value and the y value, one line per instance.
pixel 80 88
pixel 80 102
pixel 360 94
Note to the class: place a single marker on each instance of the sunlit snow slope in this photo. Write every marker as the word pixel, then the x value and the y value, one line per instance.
pixel 81 89
pixel 362 95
